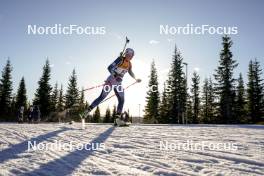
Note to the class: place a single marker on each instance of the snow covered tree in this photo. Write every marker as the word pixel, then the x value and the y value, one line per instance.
pixel 177 97
pixel 208 102
pixel 43 93
pixel 60 106
pixel 97 115
pixel 255 89
pixel 107 116
pixel 152 99
pixel 225 82
pixel 21 97
pixel 195 98
pixel 6 90
pixel 55 98
pixel 72 95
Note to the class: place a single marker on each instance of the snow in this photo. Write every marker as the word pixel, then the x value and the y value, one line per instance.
pixel 134 150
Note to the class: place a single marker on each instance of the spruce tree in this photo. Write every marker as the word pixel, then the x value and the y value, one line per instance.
pixel 178 94
pixel 195 97
pixel 82 101
pixel 255 91
pixel 60 106
pixel 72 95
pixel 240 110
pixel 164 106
pixel 107 117
pixel 55 98
pixel 21 97
pixel 225 82
pixel 6 91
pixel 96 115
pixel 189 109
pixel 113 114
pixel 208 102
pixel 152 99
pixel 43 93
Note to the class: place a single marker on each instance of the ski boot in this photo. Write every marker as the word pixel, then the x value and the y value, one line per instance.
pixel 117 118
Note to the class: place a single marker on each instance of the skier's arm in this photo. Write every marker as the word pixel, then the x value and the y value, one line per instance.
pixel 131 73
pixel 112 66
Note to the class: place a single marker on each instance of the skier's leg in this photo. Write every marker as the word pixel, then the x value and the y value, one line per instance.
pixel 98 100
pixel 119 91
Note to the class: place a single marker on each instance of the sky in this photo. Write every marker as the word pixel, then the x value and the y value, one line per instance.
pixel 140 21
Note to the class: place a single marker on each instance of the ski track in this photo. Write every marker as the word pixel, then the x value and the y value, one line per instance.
pixel 133 150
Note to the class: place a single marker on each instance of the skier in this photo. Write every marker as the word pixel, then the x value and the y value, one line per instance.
pixel 117 70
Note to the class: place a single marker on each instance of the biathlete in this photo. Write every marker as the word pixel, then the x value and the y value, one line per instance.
pixel 117 70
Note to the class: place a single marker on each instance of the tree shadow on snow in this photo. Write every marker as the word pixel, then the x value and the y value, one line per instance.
pixel 16 149
pixel 67 164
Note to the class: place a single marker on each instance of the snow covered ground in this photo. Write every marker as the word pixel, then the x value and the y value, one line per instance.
pixel 134 150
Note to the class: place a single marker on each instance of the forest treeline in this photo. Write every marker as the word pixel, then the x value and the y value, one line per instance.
pixel 221 98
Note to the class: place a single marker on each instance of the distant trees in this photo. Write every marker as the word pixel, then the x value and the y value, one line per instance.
pixel 43 92
pixel 21 97
pixel 255 87
pixel 96 118
pixel 164 106
pixel 225 83
pixel 177 96
pixel 224 99
pixel 107 117
pixel 153 98
pixel 72 94
pixel 6 91
pixel 208 102
pixel 240 101
pixel 195 90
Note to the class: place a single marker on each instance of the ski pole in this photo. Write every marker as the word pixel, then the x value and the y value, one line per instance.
pixel 127 41
pixel 90 88
pixel 114 94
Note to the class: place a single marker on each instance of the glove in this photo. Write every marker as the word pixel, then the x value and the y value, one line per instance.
pixel 138 80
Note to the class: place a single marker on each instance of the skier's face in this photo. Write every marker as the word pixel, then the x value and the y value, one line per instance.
pixel 129 56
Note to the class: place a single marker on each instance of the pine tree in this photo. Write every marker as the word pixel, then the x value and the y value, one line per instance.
pixel 55 98
pixel 255 91
pixel 21 97
pixel 240 101
pixel 163 109
pixel 97 115
pixel 225 82
pixel 152 99
pixel 82 101
pixel 72 95
pixel 6 90
pixel 208 102
pixel 195 97
pixel 189 109
pixel 107 117
pixel 43 93
pixel 178 94
pixel 113 114
pixel 60 106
